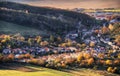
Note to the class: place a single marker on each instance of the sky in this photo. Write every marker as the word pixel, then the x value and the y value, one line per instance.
pixel 70 4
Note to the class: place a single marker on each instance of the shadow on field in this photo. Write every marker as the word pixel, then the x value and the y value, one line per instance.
pixel 17 66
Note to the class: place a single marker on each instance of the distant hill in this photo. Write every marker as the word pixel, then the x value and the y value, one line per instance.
pixel 42 18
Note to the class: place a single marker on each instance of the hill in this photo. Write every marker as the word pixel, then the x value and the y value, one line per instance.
pixel 44 18
pixel 11 28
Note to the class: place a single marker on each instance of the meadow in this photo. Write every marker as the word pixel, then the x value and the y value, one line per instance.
pixel 33 70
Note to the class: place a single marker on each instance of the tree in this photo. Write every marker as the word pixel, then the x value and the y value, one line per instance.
pixel 111 27
pixel 117 40
pixel 38 39
pixel 44 43
pixel 10 57
pixel 27 55
pixel 1 57
pixel 80 57
pixel 92 44
pixel 59 39
pixel 108 62
pixel 30 41
pixel 90 61
pixel 104 30
pixel 51 38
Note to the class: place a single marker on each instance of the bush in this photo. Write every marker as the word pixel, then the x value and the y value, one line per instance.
pixel 1 57
pixel 11 57
pixel 100 55
pixel 90 61
pixel 21 56
pixel 116 62
pixel 57 60
pixel 111 69
pixel 27 55
pixel 80 58
pixel 41 62
pixel 108 62
pixel 87 56
pixel 33 61
pixel 101 62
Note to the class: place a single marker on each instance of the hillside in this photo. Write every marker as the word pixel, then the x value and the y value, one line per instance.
pixel 11 28
pixel 43 18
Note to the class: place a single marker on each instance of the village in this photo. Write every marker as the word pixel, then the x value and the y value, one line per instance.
pixel 97 48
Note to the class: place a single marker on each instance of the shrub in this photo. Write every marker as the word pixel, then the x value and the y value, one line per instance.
pixel 119 55
pixel 109 69
pixel 108 62
pixel 63 65
pixel 33 61
pixel 79 58
pixel 86 55
pixel 27 55
pixel 57 60
pixel 83 63
pixel 90 61
pixel 92 44
pixel 41 62
pixel 101 62
pixel 116 62
pixel 100 55
pixel 21 56
pixel 1 57
pixel 51 64
pixel 10 57
pixel 70 61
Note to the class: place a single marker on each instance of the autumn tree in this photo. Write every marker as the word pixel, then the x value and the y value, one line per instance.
pixel 30 41
pixel 92 44
pixel 44 43
pixel 59 39
pixel 104 30
pixel 10 57
pixel 38 39
pixel 111 27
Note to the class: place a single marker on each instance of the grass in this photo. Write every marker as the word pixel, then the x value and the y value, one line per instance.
pixel 40 72
pixel 16 69
pixel 11 28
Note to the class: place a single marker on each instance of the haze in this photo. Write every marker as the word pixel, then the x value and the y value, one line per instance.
pixel 70 4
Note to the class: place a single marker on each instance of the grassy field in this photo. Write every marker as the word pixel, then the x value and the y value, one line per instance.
pixel 10 28
pixel 32 70
pixel 39 72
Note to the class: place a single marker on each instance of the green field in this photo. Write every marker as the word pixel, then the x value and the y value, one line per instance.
pixel 10 28
pixel 40 72
pixel 32 70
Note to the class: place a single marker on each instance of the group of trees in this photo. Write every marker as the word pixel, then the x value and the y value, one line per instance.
pixel 7 58
pixel 82 60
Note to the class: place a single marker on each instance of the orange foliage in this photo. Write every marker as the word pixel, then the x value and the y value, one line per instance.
pixel 90 61
pixel 11 57
pixel 86 55
pixel 27 55
pixel 108 62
